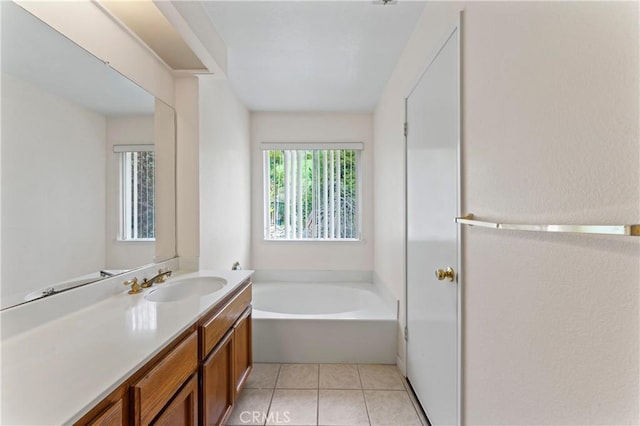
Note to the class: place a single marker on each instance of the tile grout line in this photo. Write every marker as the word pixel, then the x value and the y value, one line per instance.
pixel 273 394
pixel 405 389
pixel 364 398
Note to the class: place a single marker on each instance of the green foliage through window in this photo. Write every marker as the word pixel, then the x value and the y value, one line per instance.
pixel 138 195
pixel 312 194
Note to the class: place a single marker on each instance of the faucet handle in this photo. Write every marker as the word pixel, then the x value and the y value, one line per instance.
pixel 163 274
pixel 135 287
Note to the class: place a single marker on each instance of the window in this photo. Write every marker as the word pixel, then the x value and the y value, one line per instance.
pixel 312 191
pixel 138 192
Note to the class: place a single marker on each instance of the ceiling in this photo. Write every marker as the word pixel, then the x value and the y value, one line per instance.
pixel 312 55
pixel 281 55
pixel 34 52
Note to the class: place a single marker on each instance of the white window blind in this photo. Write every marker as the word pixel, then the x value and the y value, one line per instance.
pixel 312 191
pixel 138 192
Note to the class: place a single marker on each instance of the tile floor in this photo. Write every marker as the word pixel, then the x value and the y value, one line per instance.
pixel 326 395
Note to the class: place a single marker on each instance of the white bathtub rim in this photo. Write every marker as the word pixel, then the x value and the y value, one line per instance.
pixel 350 277
pixel 312 276
pixel 380 310
pixel 361 315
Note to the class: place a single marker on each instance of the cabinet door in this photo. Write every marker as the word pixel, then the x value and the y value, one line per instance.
pixel 183 408
pixel 243 354
pixel 154 391
pixel 217 392
pixel 112 416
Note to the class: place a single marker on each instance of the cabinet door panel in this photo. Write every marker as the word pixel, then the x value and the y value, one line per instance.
pixel 112 416
pixel 217 392
pixel 183 408
pixel 243 354
pixel 157 387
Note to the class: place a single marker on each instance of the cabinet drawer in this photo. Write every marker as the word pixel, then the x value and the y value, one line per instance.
pixel 159 385
pixel 216 327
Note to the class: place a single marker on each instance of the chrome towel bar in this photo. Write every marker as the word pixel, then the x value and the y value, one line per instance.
pixel 628 230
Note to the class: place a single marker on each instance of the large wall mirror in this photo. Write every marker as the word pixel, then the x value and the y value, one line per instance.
pixel 88 169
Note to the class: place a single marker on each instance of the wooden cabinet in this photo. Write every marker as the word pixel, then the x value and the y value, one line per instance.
pixel 216 325
pixel 112 416
pixel 194 380
pixel 154 391
pixel 242 350
pixel 218 390
pixel 183 408
pixel 225 368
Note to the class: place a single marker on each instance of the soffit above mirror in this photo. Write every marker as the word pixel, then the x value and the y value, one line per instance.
pixel 145 20
pixel 42 56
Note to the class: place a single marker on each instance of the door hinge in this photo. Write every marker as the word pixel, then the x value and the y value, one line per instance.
pixel 406 333
pixel 406 129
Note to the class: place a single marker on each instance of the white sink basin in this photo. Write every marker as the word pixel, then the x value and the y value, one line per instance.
pixel 185 288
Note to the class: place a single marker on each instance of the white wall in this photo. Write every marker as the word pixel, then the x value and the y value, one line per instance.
pixel 135 129
pixel 164 137
pixel 53 188
pixel 311 127
pixel 550 135
pixel 225 170
pixel 187 173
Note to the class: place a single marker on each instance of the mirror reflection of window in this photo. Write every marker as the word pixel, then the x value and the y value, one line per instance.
pixel 63 110
pixel 137 192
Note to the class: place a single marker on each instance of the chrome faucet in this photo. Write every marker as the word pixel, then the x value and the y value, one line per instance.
pixel 160 278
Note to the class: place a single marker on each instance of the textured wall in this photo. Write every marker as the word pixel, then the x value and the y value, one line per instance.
pixel 187 171
pixel 225 177
pixel 550 135
pixel 311 127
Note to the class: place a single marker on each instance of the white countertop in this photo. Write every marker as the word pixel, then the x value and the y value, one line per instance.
pixel 57 371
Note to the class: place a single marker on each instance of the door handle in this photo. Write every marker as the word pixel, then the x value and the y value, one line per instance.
pixel 448 273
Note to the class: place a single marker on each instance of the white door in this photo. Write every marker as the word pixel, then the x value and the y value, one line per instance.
pixel 433 124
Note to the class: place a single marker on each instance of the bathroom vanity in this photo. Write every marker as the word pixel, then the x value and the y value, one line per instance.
pixel 76 348
pixel 127 360
pixel 215 352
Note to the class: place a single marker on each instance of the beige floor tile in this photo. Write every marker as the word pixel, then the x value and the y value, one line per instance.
pixel 380 377
pixel 290 407
pixel 339 376
pixel 298 376
pixel 390 408
pixel 342 408
pixel 263 376
pixel 251 408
